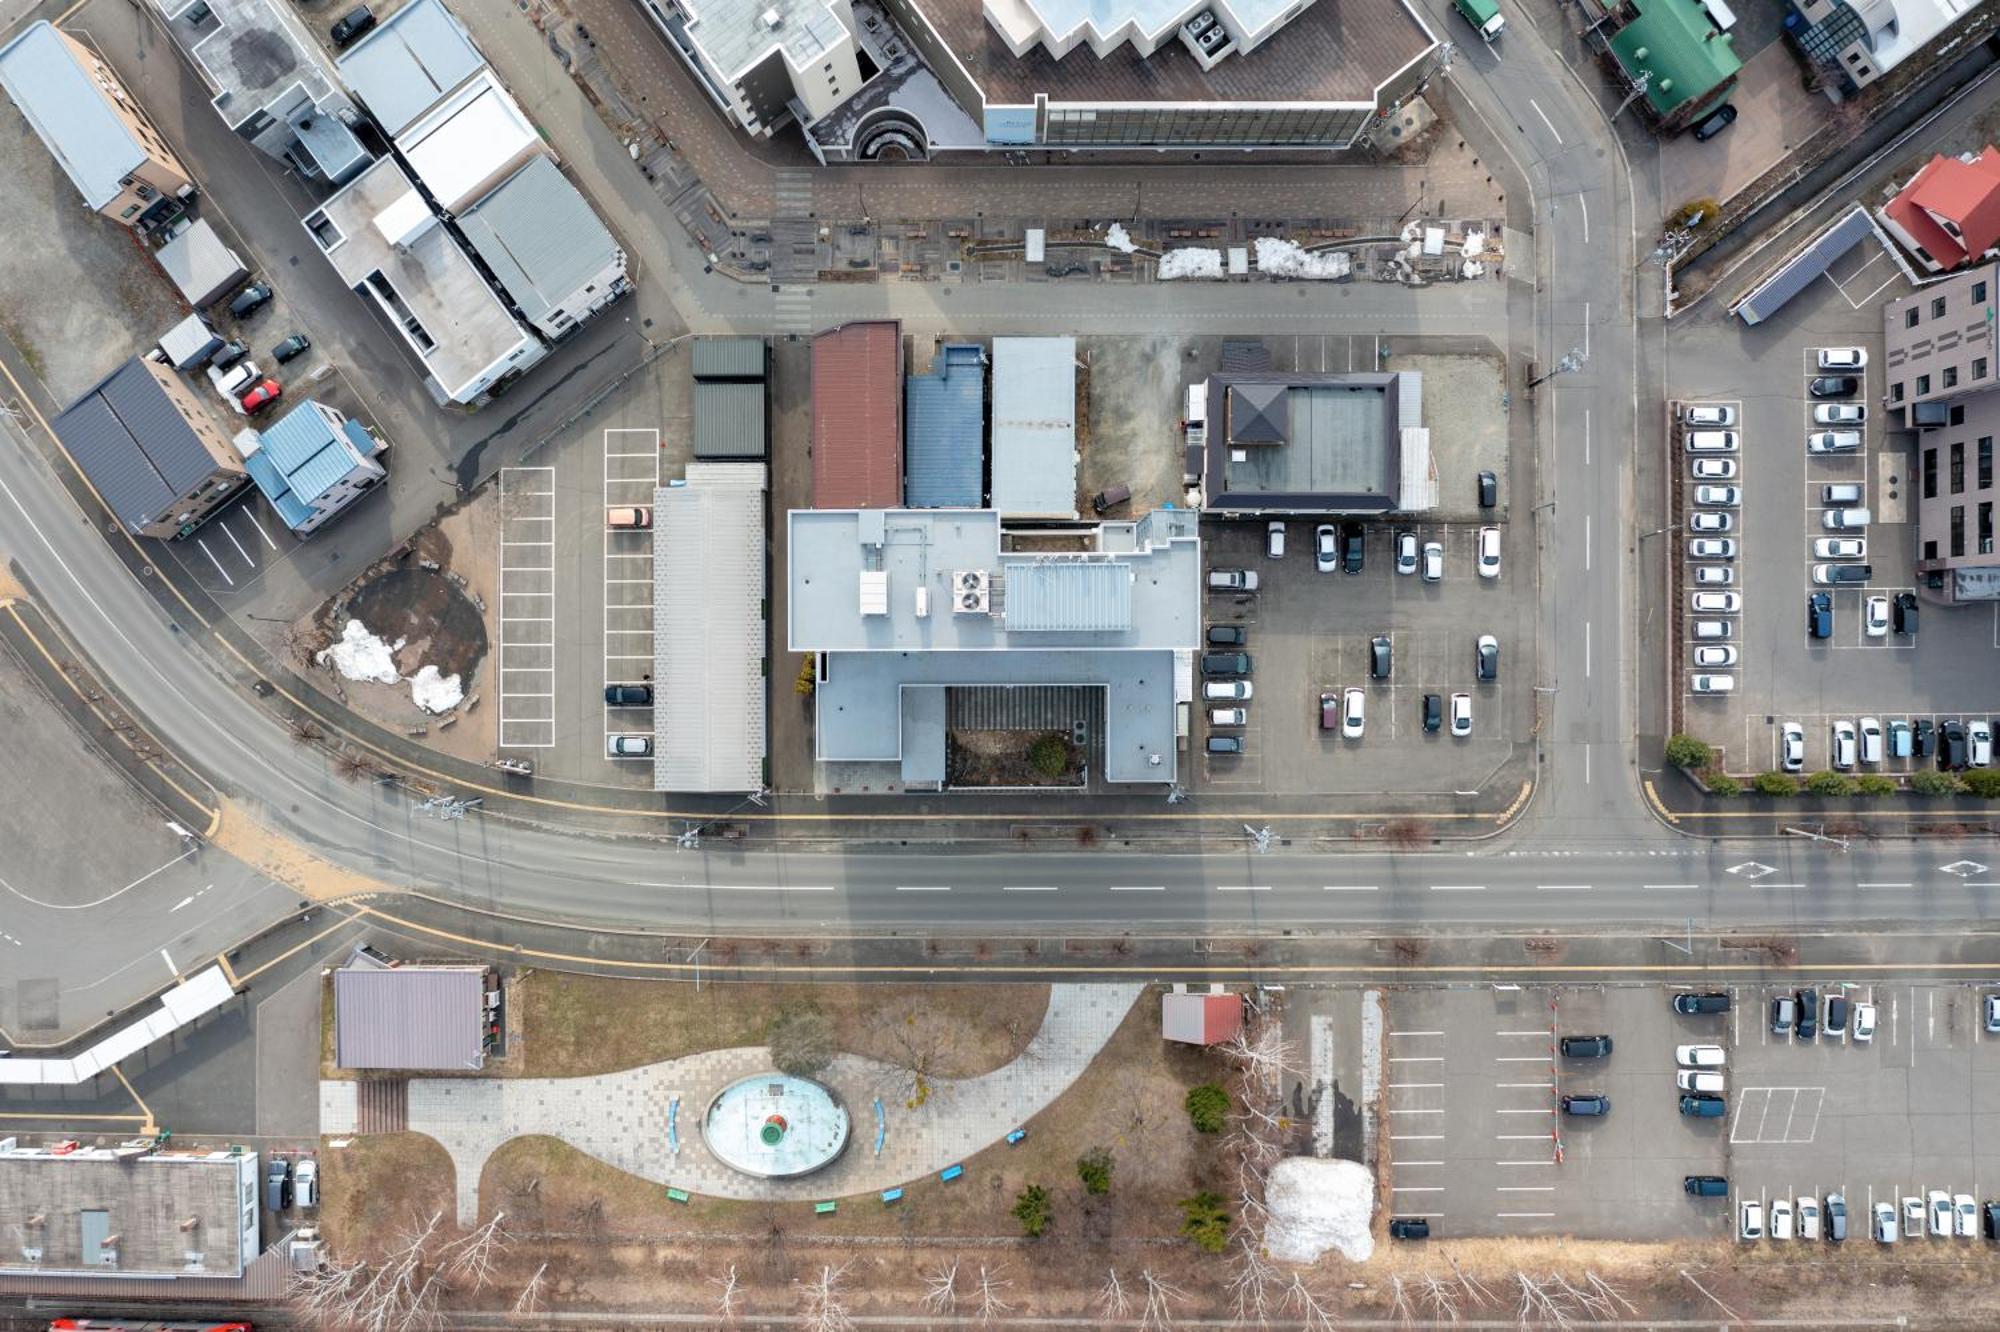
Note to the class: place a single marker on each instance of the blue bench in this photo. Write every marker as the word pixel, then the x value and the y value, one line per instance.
pixel 1014 1138
pixel 825 1208
pixel 677 1195
pixel 891 1196
pixel 950 1173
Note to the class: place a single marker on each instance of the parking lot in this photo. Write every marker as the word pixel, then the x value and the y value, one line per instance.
pixel 1780 673
pixel 1309 633
pixel 631 474
pixel 527 614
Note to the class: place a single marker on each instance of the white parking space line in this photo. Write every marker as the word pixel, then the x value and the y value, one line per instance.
pixel 922 888
pixel 527 608
pixel 212 560
pixel 631 475
pixel 234 542
pixel 260 529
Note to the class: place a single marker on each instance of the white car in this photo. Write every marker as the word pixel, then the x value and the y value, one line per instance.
pixel 1226 691
pixel 1875 615
pixel 1871 739
pixel 1713 684
pixel 1808 1217
pixel 1353 714
pixel 1885 1223
pixel 1843 745
pixel 1964 1212
pixel 1705 520
pixel 1833 441
pixel 1713 575
pixel 1700 1056
pixel 1714 629
pixel 1708 414
pixel 1695 1080
pixel 1839 413
pixel 1864 1023
pixel 1979 745
pixel 1716 603
pixel 628 746
pixel 1781 1218
pixel 1750 1220
pixel 305 1184
pixel 1792 749
pixel 1712 548
pixel 1461 714
pixel 1712 441
pixel 1938 1204
pixel 1489 552
pixel 1715 656
pixel 1275 547
pixel 1842 358
pixel 1840 548
pixel 1228 716
pixel 1727 497
pixel 1713 469
pixel 1326 540
pixel 1406 552
pixel 1433 561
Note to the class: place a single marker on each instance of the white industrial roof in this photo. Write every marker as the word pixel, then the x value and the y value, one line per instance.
pixel 1034 427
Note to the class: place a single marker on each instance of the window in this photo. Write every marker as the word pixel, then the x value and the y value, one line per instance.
pixel 1930 473
pixel 1979 367
pixel 1923 385
pixel 1951 376
pixel 1958 415
pixel 1958 468
pixel 1895 392
pixel 1937 308
pixel 1985 461
pixel 1979 293
pixel 1986 528
pixel 1957 530
pixel 1930 550
pixel 1911 316
pixel 128 212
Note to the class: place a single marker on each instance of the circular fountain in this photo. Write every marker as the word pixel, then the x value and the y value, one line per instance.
pixel 776 1126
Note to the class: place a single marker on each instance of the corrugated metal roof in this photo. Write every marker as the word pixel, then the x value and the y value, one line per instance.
pixel 272 482
pixel 857 416
pixel 200 264
pixel 70 112
pixel 1800 271
pixel 1065 596
pixel 539 236
pixel 304 446
pixel 729 358
pixel 1034 427
pixel 729 419
pixel 401 70
pixel 945 460
pixel 132 442
pixel 709 634
pixel 409 1017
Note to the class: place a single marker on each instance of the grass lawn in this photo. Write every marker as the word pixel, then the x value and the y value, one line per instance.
pixel 573 1025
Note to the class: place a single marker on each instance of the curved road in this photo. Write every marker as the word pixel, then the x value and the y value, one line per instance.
pixel 1585 852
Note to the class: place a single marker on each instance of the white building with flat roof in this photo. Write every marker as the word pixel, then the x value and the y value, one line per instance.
pixel 768 62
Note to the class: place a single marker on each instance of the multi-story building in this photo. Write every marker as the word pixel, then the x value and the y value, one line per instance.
pixel 1864 39
pixel 111 152
pixel 1675 53
pixel 1949 212
pixel 312 463
pixel 1942 351
pixel 151 450
pixel 1275 442
pixel 767 62
pixel 547 248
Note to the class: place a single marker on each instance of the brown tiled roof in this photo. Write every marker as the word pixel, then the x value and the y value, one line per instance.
pixel 1336 51
pixel 857 419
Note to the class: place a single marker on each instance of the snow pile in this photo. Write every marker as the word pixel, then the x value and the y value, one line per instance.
pixel 1190 263
pixel 360 655
pixel 1117 238
pixel 1283 258
pixel 434 692
pixel 1318 1205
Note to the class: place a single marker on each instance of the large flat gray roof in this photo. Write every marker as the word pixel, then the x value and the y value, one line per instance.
pixel 1034 427
pixel 1300 441
pixel 737 34
pixel 64 105
pixel 401 70
pixel 256 53
pixel 539 237
pixel 88 1196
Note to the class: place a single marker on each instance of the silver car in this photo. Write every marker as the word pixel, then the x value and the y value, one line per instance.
pixel 1713 469
pixel 1713 575
pixel 1706 520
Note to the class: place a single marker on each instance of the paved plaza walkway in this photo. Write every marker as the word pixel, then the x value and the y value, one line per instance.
pixel 622 1118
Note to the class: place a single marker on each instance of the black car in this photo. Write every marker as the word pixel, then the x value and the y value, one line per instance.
pixel 291 348
pixel 1352 547
pixel 1225 744
pixel 1378 657
pixel 1719 120
pixel 1489 490
pixel 1409 1227
pixel 278 1184
pixel 1905 609
pixel 628 695
pixel 1991 1210
pixel 1951 745
pixel 1227 635
pixel 1225 663
pixel 1819 615
pixel 1703 1105
pixel 1924 729
pixel 1706 1186
pixel 1586 1047
pixel 1433 711
pixel 1691 1004
pixel 1836 1015
pixel 250 300
pixel 351 25
pixel 1808 1028
pixel 228 354
pixel 1834 386
pixel 1591 1105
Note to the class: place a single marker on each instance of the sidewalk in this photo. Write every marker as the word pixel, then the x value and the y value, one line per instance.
pixel 621 1118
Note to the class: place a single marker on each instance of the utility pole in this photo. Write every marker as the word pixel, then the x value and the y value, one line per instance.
pixel 1639 86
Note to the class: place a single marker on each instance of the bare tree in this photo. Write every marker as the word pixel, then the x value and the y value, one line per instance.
pixel 941 1288
pixel 1539 1303
pixel 726 1294
pixel 1161 1297
pixel 1400 1306
pixel 822 1306
pixel 1480 1296
pixel 987 1293
pixel 1112 1301
pixel 1306 1305
pixel 1610 1295
pixel 470 1257
pixel 1254 1282
pixel 919 1042
pixel 1440 1298
pixel 1262 1054
pixel 531 1294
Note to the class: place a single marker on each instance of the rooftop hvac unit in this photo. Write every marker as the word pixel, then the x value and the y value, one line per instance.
pixel 923 602
pixel 31 1254
pixel 772 18
pixel 971 594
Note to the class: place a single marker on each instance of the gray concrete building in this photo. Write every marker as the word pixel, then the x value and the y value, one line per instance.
pixel 1941 350
pixel 151 450
pixel 151 1217
pixel 1298 442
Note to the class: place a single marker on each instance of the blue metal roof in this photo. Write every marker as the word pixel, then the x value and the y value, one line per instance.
pixel 303 446
pixel 70 112
pixel 275 490
pixel 1068 596
pixel 944 434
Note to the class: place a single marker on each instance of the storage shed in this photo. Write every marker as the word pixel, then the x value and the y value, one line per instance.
pixel 203 267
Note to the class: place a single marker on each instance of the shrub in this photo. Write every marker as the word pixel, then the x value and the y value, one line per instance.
pixel 801 1040
pixel 1830 784
pixel 1031 1209
pixel 1696 213
pixel 1931 782
pixel 1204 1222
pixel 1721 783
pixel 1208 1106
pixel 1684 751
pixel 1049 755
pixel 1775 784
pixel 1982 782
pixel 807 679
pixel 1094 1169
pixel 1874 785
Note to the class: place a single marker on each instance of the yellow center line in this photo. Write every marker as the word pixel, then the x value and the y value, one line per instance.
pixel 149 1126
pixel 294 951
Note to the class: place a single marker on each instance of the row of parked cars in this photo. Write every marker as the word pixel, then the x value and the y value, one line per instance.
pixel 286 1186
pixel 1697 1073
pixel 1708 435
pixel 1800 1016
pixel 1938 1212
pixel 1957 745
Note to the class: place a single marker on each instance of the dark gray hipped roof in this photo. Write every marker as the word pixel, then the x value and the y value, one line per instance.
pixel 132 442
pixel 1259 413
pixel 409 1017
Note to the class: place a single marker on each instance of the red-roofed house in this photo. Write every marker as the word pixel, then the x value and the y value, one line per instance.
pixel 1949 213
pixel 857 432
pixel 1200 1019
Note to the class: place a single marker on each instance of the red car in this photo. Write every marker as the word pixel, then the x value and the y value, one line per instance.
pixel 260 395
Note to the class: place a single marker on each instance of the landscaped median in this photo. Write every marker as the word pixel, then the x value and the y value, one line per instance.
pixel 1705 768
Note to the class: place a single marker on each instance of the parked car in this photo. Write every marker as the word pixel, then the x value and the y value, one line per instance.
pixel 1715 122
pixel 1965 1215
pixel 1706 1105
pixel 351 26
pixel 1225 663
pixel 1489 552
pixel 1979 736
pixel 1781 1218
pixel 1913 1217
pixel 1990 1212
pixel 1353 714
pixel 1409 1228
pixel 1716 603
pixel 1232 580
pixel 228 354
pixel 1902 744
pixel 1228 716
pixel 1784 1012
pixel 1808 1028
pixel 305 1184
pixel 1885 1223
pixel 1353 547
pixel 1792 747
pixel 1406 551
pixel 1713 469
pixel 1228 635
pixel 1699 1080
pixel 1833 441
pixel 1274 547
pixel 1704 629
pixel 1842 575
pixel 1926 732
pixel 1993 1013
pixel 628 746
pixel 1750 1220
pixel 1864 1023
pixel 1326 547
pixel 1705 1186
pixel 1836 1217
pixel 1225 744
pixel 1380 657
pixel 1725 497
pixel 1433 561
pixel 1951 744
pixel 1839 413
pixel 278 1184
pixel 1585 1047
pixel 628 695
pixel 1329 710
pixel 626 516
pixel 1842 494
pixel 1433 712
pixel 1486 659
pixel 1700 1056
pixel 1691 1005
pixel 1714 575
pixel 1938 1204
pixel 1712 441
pixel 1846 519
pixel 1871 740
pixel 1842 358
pixel 260 395
pixel 1713 684
pixel 1226 691
pixel 1461 714
pixel 1704 520
pixel 1715 655
pixel 1836 1014
pixel 250 300
pixel 1589 1105
pixel 1489 490
pixel 290 349
pixel 1834 386
pixel 1819 615
pixel 1712 548
pixel 1905 608
pixel 1708 414
pixel 1808 1207
pixel 1840 548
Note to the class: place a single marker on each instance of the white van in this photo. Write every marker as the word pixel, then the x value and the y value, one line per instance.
pixel 1277 546
pixel 1711 441
pixel 1843 520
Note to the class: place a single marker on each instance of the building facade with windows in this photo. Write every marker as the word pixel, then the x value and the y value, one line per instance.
pixel 312 463
pixel 111 152
pixel 1941 352
pixel 1861 40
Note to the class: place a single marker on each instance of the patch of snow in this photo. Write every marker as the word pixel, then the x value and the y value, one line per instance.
pixel 1283 258
pixel 434 692
pixel 1117 238
pixel 1194 262
pixel 1318 1205
pixel 360 655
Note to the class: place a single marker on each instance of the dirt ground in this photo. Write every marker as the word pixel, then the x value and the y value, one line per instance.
pixel 573 1026
pixel 1001 758
pixel 1135 390
pixel 373 1186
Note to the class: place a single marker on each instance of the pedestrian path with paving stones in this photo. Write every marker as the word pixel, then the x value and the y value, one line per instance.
pixel 622 1118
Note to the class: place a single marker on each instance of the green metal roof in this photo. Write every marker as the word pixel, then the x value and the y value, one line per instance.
pixel 1677 43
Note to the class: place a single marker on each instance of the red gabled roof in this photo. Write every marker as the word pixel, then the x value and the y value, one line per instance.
pixel 857 432
pixel 1966 192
